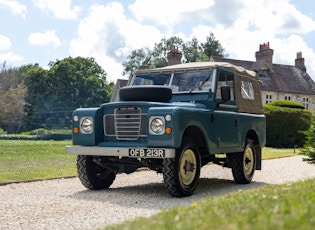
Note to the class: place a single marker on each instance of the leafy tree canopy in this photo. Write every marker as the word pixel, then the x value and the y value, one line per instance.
pixel 192 51
pixel 68 84
pixel 12 98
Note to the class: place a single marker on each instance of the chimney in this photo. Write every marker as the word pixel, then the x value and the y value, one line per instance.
pixel 299 61
pixel 174 56
pixel 144 65
pixel 264 57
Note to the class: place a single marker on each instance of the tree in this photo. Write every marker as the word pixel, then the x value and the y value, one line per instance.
pixel 37 98
pixel 68 84
pixel 12 99
pixel 309 147
pixel 135 59
pixel 160 50
pixel 192 51
pixel 212 47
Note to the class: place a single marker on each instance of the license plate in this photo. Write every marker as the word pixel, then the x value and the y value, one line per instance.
pixel 154 153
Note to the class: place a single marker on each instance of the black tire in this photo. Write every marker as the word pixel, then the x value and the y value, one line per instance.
pixel 146 93
pixel 243 164
pixel 91 175
pixel 181 174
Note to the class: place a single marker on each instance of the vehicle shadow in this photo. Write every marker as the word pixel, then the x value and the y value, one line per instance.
pixel 155 195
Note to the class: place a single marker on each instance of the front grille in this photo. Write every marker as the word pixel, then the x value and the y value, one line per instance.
pixel 127 123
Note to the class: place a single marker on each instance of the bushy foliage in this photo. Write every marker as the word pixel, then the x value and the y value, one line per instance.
pixel 286 123
pixel 2 131
pixel 309 148
pixel 192 51
pixel 286 104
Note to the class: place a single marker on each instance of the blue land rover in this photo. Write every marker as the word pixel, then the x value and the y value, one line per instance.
pixel 174 120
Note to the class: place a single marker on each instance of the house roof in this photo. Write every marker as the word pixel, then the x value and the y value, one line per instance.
pixel 282 78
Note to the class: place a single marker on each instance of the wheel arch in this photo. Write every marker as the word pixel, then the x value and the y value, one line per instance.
pixel 198 137
pixel 252 135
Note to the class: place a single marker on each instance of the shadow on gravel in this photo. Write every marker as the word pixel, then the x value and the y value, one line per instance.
pixel 155 195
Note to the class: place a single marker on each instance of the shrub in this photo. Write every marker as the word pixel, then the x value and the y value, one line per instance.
pixel 2 132
pixel 44 134
pixel 286 123
pixel 309 148
pixel 286 104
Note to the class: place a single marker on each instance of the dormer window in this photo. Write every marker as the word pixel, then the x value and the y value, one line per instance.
pixel 263 73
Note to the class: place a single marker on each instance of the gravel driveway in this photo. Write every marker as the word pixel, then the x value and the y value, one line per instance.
pixel 66 204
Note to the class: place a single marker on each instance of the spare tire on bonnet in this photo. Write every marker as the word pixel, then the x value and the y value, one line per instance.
pixel 154 93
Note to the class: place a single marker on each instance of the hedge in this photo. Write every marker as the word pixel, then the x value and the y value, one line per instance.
pixel 286 126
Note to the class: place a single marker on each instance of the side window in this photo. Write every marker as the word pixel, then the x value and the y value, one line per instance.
pixel 247 90
pixel 225 78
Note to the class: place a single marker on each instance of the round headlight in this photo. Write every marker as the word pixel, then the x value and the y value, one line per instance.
pixel 157 126
pixel 87 125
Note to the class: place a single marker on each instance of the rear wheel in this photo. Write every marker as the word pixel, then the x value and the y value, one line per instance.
pixel 92 175
pixel 243 164
pixel 181 174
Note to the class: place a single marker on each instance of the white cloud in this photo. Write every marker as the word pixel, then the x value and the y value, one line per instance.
pixel 60 8
pixel 286 52
pixel 10 57
pixel 5 42
pixel 44 39
pixel 106 35
pixel 261 21
pixel 279 17
pixel 168 13
pixel 15 7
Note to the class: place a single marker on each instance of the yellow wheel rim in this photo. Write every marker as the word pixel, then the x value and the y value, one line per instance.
pixel 187 167
pixel 248 161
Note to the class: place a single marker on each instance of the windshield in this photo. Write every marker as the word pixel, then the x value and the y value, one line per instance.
pixel 187 81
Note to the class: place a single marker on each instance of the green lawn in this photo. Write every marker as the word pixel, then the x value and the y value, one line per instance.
pixel 288 206
pixel 269 153
pixel 33 160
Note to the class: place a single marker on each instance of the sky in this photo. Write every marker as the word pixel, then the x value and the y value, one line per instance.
pixel 41 31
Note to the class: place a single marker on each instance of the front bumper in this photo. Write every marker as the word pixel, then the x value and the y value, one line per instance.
pixel 158 153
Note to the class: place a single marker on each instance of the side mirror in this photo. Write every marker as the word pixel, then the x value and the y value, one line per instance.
pixel 225 93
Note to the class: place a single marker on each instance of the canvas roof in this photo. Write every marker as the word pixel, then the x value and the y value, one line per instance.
pixel 200 66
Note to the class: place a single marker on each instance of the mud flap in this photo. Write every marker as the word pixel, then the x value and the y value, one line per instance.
pixel 258 157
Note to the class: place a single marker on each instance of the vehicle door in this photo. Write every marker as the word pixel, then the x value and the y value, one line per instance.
pixel 226 115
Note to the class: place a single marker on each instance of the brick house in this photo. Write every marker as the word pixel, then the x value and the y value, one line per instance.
pixel 279 82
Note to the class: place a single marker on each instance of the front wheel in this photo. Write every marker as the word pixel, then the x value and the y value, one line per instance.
pixel 91 173
pixel 181 174
pixel 243 164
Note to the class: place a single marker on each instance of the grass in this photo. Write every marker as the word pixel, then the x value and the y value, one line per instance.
pixel 270 153
pixel 34 160
pixel 27 160
pixel 288 206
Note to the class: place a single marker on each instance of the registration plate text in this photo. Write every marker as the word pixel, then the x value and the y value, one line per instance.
pixel 155 153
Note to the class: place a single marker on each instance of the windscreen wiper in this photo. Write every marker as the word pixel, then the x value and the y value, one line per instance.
pixel 202 83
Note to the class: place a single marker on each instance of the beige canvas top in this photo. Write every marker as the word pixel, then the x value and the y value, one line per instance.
pixel 244 104
pixel 199 66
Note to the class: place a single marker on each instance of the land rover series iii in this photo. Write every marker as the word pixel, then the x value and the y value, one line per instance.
pixel 174 120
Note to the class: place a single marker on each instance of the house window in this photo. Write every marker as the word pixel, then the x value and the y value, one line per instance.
pixel 268 98
pixel 306 103
pixel 288 98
